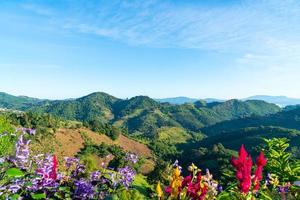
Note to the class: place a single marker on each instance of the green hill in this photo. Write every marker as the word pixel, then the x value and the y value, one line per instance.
pixel 286 118
pixel 142 115
pixel 16 102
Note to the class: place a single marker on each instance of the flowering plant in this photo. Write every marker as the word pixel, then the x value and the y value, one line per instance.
pixel 243 166
pixel 37 177
pixel 194 186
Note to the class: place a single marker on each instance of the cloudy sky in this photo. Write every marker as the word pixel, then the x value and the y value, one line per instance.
pixel 208 48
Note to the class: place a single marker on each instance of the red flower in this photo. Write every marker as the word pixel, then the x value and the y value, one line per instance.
pixel 260 163
pixel 186 180
pixel 203 192
pixel 194 189
pixel 53 173
pixel 243 165
pixel 261 160
pixel 168 190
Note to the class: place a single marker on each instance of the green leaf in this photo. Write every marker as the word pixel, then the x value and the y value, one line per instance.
pixel 14 197
pixel 266 196
pixel 14 172
pixel 39 196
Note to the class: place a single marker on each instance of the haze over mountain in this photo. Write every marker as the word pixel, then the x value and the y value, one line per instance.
pixel 279 100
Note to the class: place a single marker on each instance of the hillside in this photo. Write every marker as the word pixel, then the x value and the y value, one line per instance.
pixel 69 142
pixel 17 102
pixel 142 115
pixel 286 118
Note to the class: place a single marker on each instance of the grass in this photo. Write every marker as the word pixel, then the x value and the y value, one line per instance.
pixel 173 135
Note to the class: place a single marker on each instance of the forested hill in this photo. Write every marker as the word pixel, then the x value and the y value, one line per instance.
pixel 141 114
pixel 287 118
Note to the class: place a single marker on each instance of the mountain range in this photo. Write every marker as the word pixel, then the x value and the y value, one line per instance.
pixel 141 115
pixel 204 132
pixel 281 101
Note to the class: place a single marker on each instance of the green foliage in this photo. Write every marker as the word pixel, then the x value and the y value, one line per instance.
pixel 280 161
pixel 14 173
pixel 127 195
pixel 6 139
pixel 109 130
pixel 18 103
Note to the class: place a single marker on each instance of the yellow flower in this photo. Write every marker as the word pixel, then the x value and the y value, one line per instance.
pixel 176 172
pixel 159 190
pixel 175 183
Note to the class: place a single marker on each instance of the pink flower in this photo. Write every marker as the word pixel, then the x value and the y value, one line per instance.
pixel 260 163
pixel 243 165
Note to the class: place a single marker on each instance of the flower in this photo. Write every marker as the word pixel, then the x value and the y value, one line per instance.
pixel 22 153
pixel 260 163
pixel 175 185
pixel 126 176
pixel 243 165
pixel 2 160
pixel 132 158
pixel 95 176
pixel 83 189
pixel 47 170
pixel 70 161
pixel 159 190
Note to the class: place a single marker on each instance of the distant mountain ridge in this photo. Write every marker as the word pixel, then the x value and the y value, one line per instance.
pixel 141 114
pixel 278 100
pixel 183 100
pixel 281 101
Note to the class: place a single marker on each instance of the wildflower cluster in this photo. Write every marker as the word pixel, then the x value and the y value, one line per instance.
pixel 194 186
pixel 37 177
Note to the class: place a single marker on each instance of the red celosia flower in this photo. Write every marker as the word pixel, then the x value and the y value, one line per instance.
pixel 186 180
pixel 53 173
pixel 261 160
pixel 168 190
pixel 260 163
pixel 243 165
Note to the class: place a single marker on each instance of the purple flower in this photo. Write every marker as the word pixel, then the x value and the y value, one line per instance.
pixel 95 176
pixel 2 160
pixel 282 189
pixel 15 186
pixel 79 169
pixel 131 157
pixel 71 161
pixel 219 188
pixel 113 179
pixel 268 179
pixel 83 189
pixel 176 164
pixel 30 131
pixel 126 176
pixel 45 170
pixel 22 153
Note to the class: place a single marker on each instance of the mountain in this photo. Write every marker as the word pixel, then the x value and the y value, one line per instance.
pixel 278 100
pixel 183 100
pixel 97 105
pixel 289 119
pixel 16 102
pixel 144 116
pixel 177 100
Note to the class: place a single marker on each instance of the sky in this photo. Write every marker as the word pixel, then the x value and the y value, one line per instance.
pixel 196 48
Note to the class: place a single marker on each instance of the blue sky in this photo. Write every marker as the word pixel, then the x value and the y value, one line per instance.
pixel 214 48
